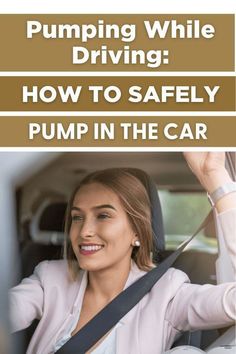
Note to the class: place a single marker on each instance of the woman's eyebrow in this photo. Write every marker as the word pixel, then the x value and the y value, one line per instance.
pixel 105 206
pixel 75 208
pixel 102 206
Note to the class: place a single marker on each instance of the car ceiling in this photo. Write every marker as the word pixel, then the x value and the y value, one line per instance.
pixel 168 169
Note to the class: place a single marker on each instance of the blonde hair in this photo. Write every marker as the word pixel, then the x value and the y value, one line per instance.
pixel 135 201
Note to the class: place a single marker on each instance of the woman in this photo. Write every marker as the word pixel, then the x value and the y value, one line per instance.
pixel 108 248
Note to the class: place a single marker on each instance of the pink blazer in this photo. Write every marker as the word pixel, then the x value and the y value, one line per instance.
pixel 172 306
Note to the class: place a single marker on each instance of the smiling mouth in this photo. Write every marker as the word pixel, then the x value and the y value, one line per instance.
pixel 89 249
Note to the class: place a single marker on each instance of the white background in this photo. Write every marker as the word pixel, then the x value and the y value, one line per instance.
pixel 118 6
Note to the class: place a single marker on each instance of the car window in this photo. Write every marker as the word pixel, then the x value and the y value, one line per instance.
pixel 182 214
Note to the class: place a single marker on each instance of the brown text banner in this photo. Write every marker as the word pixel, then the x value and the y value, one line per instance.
pixel 199 42
pixel 117 93
pixel 108 132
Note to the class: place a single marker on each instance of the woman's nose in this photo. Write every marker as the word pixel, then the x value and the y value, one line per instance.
pixel 88 229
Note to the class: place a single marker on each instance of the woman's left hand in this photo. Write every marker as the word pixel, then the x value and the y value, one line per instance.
pixel 209 168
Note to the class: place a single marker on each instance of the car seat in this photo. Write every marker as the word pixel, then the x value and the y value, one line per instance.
pixel 46 235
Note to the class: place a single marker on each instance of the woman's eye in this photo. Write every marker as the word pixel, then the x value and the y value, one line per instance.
pixel 103 216
pixel 77 217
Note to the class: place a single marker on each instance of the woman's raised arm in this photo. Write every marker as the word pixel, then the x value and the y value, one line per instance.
pixel 209 306
pixel 209 168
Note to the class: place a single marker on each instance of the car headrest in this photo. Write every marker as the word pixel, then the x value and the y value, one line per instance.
pixel 47 223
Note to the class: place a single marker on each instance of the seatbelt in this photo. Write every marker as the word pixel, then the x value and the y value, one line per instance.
pixel 231 164
pixel 110 315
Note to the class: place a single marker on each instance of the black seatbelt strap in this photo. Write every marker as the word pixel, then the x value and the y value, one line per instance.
pixel 110 315
pixel 231 164
pixel 195 339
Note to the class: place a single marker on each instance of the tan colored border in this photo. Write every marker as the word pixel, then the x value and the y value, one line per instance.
pixel 39 54
pixel 14 132
pixel 12 93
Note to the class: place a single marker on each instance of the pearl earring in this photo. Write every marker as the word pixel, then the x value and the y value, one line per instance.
pixel 137 243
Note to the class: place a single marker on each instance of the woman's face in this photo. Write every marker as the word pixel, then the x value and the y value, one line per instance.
pixel 100 232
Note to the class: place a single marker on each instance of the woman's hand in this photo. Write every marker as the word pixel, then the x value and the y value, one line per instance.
pixel 209 168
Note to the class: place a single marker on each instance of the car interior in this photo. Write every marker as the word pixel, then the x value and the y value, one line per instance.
pixel 41 202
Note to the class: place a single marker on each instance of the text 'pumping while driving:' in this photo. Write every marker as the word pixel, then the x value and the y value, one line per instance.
pixel 125 34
